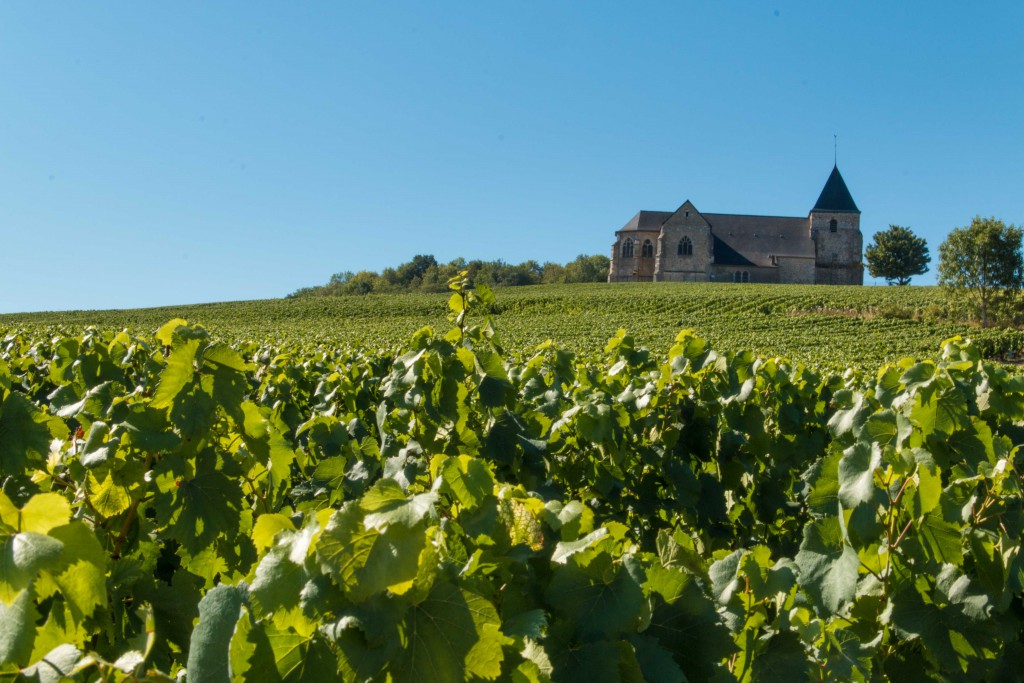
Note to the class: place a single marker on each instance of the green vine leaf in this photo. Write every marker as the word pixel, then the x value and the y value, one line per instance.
pixel 828 566
pixel 208 658
pixel 25 433
pixel 857 474
pixel 18 628
pixel 453 635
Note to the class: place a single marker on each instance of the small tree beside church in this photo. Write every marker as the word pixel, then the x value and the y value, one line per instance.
pixel 897 254
pixel 983 262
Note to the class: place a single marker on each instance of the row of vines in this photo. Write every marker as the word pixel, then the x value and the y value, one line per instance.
pixel 826 327
pixel 176 506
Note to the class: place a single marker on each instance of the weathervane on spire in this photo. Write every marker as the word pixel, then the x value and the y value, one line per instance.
pixel 835 149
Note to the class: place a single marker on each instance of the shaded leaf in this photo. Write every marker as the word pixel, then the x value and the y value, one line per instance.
pixel 781 659
pixel 18 628
pixel 219 611
pixel 596 607
pixel 25 433
pixel 468 479
pixel 684 621
pixel 453 635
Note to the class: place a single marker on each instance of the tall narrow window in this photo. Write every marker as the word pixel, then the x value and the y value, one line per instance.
pixel 647 250
pixel 746 276
pixel 833 225
pixel 685 247
pixel 627 248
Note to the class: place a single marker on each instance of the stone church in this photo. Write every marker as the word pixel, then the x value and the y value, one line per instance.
pixel 686 245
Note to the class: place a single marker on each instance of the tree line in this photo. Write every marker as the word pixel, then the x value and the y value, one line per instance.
pixel 982 263
pixel 424 274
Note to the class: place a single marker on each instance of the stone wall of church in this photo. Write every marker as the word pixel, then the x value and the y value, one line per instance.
pixel 839 275
pixel 796 271
pixel 687 265
pixel 745 274
pixel 680 276
pixel 622 267
pixel 635 268
pixel 837 254
pixel 692 267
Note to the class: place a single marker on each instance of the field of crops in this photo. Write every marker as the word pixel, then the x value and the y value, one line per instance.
pixel 174 506
pixel 835 327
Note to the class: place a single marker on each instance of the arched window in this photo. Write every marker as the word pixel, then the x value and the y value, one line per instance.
pixel 833 225
pixel 627 248
pixel 685 247
pixel 746 276
pixel 741 276
pixel 647 250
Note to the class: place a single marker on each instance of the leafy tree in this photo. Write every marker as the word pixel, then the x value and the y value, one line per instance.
pixel 409 273
pixel 424 274
pixel 983 262
pixel 553 273
pixel 363 282
pixel 588 269
pixel 342 278
pixel 897 254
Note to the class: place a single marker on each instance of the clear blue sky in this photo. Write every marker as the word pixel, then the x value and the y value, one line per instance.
pixel 161 153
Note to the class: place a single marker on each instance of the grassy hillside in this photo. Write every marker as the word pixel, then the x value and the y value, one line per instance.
pixel 833 326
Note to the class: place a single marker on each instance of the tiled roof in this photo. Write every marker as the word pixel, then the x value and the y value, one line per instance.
pixel 753 240
pixel 647 220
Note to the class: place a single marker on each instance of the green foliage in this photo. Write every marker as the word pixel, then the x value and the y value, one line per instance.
pixel 897 254
pixel 585 269
pixel 175 505
pixel 828 566
pixel 865 326
pixel 424 274
pixel 983 262
pixel 219 611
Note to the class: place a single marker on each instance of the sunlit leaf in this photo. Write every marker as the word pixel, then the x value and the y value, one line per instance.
pixel 828 566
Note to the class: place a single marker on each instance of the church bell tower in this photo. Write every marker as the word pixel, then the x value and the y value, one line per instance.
pixel 835 229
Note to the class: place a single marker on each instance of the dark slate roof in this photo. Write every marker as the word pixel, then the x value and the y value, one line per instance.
pixel 835 196
pixel 753 240
pixel 727 256
pixel 647 220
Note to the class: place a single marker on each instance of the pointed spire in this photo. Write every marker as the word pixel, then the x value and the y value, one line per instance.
pixel 835 196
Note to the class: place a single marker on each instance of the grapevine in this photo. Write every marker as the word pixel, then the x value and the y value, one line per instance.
pixel 177 503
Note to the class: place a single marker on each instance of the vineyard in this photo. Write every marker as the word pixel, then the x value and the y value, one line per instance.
pixel 243 500
pixel 833 327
